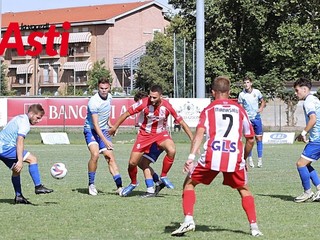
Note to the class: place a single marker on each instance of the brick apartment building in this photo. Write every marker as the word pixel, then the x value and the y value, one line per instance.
pixel 116 33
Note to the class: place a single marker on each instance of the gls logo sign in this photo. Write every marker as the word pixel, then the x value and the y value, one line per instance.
pixel 278 136
pixel 224 146
pixel 36 46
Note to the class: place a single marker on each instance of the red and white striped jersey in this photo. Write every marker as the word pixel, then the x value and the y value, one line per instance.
pixel 225 122
pixel 153 119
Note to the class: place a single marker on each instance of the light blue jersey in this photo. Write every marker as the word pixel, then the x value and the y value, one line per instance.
pixel 311 105
pixel 97 105
pixel 18 126
pixel 250 102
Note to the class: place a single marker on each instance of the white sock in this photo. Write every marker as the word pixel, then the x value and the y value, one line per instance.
pixel 188 218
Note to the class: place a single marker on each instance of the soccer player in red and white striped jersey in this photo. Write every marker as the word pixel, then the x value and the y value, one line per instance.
pixel 154 112
pixel 224 122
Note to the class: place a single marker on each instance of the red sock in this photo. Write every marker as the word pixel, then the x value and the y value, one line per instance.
pixel 250 208
pixel 188 201
pixel 133 171
pixel 166 165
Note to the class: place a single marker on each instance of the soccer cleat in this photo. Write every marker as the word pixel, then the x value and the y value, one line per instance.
pixel 127 190
pixel 148 195
pixel 259 163
pixel 42 189
pixel 166 182
pixel 158 188
pixel 316 197
pixel 251 162
pixel 303 197
pixel 185 227
pixel 119 190
pixel 256 233
pixel 21 200
pixel 92 190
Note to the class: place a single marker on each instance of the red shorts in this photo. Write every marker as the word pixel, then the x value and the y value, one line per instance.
pixel 233 179
pixel 144 141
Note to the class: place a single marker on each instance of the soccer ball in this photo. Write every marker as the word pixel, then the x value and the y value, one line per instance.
pixel 58 171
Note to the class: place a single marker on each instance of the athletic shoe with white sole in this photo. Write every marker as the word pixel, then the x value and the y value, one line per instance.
pixel 148 195
pixel 166 182
pixel 259 163
pixel 256 233
pixel 185 227
pixel 303 197
pixel 127 190
pixel 316 197
pixel 92 190
pixel 119 190
pixel 250 160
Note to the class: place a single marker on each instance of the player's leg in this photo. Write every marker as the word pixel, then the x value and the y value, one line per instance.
pixel 92 167
pixel 199 175
pixel 258 129
pixel 248 205
pixel 148 172
pixel 113 169
pixel 169 146
pixel 238 180
pixel 304 173
pixel 35 173
pixel 9 159
pixel 132 171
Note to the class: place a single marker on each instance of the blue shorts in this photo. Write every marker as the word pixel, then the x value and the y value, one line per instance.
pixel 257 125
pixel 9 157
pixel 311 151
pixel 154 153
pixel 92 137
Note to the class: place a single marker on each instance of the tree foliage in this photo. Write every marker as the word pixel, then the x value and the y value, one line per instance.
pixel 99 70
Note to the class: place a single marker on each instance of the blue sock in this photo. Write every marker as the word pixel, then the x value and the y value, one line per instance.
pixel 117 179
pixel 313 175
pixel 92 176
pixel 34 173
pixel 155 177
pixel 149 182
pixel 259 148
pixel 305 177
pixel 16 182
pixel 250 154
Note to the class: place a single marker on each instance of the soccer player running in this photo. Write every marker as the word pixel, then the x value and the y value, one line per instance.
pixel 250 98
pixel 96 128
pixel 155 111
pixel 311 152
pixel 223 122
pixel 13 154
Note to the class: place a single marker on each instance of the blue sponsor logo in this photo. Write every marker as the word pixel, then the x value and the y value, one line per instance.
pixel 278 136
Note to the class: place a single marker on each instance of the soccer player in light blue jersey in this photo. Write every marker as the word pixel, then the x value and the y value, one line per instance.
pixel 13 154
pixel 252 101
pixel 96 135
pixel 311 152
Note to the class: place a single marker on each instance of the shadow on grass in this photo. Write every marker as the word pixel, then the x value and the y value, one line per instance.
pixel 282 197
pixel 203 228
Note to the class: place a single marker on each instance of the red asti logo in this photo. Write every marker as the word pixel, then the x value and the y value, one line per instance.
pixel 36 46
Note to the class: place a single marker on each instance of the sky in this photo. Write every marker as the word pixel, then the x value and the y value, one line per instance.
pixel 29 5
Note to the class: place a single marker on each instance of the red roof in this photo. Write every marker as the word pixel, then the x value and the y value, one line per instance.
pixel 73 14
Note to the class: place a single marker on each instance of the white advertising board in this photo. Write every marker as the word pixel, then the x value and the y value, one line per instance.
pixel 189 108
pixel 278 137
pixel 3 112
pixel 55 138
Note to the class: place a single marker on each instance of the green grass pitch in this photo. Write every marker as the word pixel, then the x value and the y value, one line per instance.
pixel 70 213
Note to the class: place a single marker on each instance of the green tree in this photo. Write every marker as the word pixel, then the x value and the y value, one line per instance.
pixel 156 66
pixel 4 82
pixel 99 70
